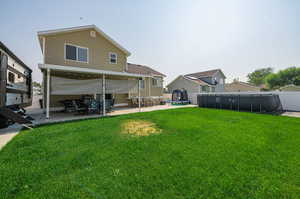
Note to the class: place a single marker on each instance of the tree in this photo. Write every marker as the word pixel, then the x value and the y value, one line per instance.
pixel 37 88
pixel 284 77
pixel 258 76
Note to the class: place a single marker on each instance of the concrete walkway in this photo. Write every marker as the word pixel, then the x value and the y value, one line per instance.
pixel 291 114
pixel 8 133
pixel 122 111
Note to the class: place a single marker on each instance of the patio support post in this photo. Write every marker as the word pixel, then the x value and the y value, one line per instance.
pixel 103 94
pixel 139 93
pixel 149 86
pixel 48 94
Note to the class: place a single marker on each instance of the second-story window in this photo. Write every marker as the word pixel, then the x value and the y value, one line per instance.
pixel 76 53
pixel 11 77
pixel 157 82
pixel 113 58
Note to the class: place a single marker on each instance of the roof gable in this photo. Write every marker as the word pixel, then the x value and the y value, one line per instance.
pixel 12 55
pixel 194 81
pixel 141 69
pixel 208 73
pixel 81 28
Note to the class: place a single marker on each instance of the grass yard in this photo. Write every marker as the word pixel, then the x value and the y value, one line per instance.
pixel 183 153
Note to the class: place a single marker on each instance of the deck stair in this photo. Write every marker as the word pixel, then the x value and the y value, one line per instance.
pixel 16 115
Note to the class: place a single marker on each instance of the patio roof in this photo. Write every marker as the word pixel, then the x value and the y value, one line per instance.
pixel 88 70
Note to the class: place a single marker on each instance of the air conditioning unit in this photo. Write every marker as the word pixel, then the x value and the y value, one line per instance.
pixel 93 33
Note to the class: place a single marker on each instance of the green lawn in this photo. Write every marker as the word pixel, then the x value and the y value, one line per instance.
pixel 200 153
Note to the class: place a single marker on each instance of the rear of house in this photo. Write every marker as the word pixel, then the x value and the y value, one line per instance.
pixel 84 60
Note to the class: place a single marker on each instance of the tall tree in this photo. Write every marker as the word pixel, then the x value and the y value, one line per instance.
pixel 37 88
pixel 258 76
pixel 284 77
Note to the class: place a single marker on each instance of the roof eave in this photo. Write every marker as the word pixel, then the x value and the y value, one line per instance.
pixel 87 70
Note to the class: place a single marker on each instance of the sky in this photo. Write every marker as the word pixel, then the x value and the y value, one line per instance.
pixel 174 37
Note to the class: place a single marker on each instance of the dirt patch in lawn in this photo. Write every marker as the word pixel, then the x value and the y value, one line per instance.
pixel 140 127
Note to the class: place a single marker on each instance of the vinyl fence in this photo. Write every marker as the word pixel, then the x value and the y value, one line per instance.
pixel 290 100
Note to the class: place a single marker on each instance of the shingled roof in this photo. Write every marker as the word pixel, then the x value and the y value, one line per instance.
pixel 141 69
pixel 208 73
pixel 199 81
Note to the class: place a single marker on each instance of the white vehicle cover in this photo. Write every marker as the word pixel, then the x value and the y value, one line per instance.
pixel 65 86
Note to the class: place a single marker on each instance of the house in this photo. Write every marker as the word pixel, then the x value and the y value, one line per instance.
pixel 290 87
pixel 15 78
pixel 15 87
pixel 206 81
pixel 85 61
pixel 238 86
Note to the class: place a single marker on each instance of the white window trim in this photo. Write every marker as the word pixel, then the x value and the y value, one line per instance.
pixel 112 53
pixel 76 53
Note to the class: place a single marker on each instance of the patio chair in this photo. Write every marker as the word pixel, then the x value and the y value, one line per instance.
pixel 80 107
pixel 68 105
pixel 93 106
pixel 108 105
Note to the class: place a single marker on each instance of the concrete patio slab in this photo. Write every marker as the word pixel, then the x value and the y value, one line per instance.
pixel 58 117
pixel 291 114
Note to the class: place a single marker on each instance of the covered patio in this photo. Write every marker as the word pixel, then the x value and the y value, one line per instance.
pixel 90 92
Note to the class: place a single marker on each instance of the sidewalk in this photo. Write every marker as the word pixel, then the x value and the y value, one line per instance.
pixel 8 133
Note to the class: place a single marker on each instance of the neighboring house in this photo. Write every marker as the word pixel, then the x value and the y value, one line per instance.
pixel 290 87
pixel 15 80
pixel 206 81
pixel 238 86
pixel 85 61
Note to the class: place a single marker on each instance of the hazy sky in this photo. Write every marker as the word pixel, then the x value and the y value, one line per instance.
pixel 175 37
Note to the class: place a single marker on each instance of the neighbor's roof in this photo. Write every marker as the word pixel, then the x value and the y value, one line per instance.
pixel 208 73
pixel 242 83
pixel 12 55
pixel 198 81
pixel 191 79
pixel 80 28
pixel 141 69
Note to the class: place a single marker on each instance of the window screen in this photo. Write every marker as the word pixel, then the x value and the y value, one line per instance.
pixel 113 58
pixel 142 83
pixel 82 54
pixel 11 77
pixel 71 52
pixel 157 82
pixel 154 82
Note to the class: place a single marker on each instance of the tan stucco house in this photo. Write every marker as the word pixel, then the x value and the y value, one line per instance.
pixel 238 86
pixel 86 61
pixel 205 81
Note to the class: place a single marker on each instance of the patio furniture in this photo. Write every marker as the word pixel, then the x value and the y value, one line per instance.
pixel 80 106
pixel 109 103
pixel 68 106
pixel 134 102
pixel 93 106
